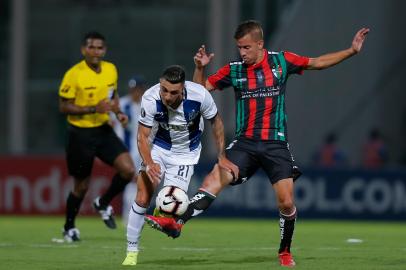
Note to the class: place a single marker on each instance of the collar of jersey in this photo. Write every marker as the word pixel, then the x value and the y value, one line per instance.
pixel 260 63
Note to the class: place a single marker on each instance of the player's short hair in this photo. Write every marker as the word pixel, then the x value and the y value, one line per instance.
pixel 92 35
pixel 249 27
pixel 174 74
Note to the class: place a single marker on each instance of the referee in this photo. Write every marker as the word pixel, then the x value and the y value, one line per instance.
pixel 88 93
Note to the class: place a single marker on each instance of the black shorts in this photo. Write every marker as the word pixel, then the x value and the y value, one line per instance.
pixel 273 157
pixel 84 144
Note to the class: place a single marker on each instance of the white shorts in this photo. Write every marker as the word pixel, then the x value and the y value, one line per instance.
pixel 172 175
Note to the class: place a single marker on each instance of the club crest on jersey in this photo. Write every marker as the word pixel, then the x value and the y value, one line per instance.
pixel 160 116
pixel 191 115
pixel 259 76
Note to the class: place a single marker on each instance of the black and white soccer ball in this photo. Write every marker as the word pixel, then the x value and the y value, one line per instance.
pixel 172 201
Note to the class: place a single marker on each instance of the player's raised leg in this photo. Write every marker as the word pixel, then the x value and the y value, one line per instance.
pixel 145 189
pixel 287 211
pixel 212 185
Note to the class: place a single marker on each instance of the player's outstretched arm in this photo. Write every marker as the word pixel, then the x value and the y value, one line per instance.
pixel 331 59
pixel 218 132
pixel 202 59
pixel 152 169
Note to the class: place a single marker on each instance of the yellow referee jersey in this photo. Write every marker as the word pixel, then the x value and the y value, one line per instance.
pixel 87 88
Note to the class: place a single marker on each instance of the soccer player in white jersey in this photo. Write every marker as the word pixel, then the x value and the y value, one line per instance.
pixel 130 104
pixel 170 127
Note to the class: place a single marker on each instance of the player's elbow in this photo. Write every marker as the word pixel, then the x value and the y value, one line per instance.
pixel 315 64
pixel 62 108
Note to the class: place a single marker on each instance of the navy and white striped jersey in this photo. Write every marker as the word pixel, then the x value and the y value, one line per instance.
pixel 129 134
pixel 176 132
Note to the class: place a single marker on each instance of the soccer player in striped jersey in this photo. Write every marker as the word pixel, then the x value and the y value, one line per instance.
pixel 261 139
pixel 172 114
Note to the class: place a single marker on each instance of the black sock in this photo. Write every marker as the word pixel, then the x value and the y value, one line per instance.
pixel 287 226
pixel 200 202
pixel 117 186
pixel 72 208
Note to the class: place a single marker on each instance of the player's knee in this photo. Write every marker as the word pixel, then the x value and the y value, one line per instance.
pixel 213 182
pixel 142 200
pixel 286 205
pixel 80 189
pixel 127 172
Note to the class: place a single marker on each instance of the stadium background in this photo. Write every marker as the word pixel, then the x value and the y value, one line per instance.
pixel 41 39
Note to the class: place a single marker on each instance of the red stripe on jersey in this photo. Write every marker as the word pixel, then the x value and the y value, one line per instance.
pixel 218 76
pixel 251 118
pixel 297 60
pixel 267 72
pixel 252 81
pixel 266 123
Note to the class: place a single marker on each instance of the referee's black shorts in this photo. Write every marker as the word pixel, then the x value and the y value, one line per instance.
pixel 273 157
pixel 84 144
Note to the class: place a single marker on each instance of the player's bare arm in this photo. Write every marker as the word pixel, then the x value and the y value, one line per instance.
pixel 331 59
pixel 218 133
pixel 115 105
pixel 202 59
pixel 152 169
pixel 67 106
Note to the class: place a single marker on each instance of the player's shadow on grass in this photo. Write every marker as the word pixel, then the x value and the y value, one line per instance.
pixel 191 261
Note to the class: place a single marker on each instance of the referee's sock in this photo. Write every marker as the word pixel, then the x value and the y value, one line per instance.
pixel 117 186
pixel 197 204
pixel 72 208
pixel 287 226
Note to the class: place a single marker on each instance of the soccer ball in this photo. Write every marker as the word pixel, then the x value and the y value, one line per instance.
pixel 172 201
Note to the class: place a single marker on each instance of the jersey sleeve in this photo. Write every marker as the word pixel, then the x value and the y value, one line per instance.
pixel 113 85
pixel 295 64
pixel 148 110
pixel 115 77
pixel 67 89
pixel 208 108
pixel 221 79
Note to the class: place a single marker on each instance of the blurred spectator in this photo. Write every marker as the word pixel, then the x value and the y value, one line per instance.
pixel 130 104
pixel 329 155
pixel 374 151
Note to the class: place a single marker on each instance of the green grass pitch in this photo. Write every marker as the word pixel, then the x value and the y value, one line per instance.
pixel 26 243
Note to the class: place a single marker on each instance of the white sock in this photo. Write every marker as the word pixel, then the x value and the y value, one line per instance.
pixel 134 226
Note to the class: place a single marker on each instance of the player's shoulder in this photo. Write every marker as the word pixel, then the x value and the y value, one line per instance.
pixel 195 91
pixel 233 63
pixel 152 93
pixel 77 67
pixel 108 66
pixel 274 52
pixel 74 70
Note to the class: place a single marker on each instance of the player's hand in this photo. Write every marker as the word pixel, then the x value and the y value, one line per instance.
pixel 227 165
pixel 123 118
pixel 103 106
pixel 153 171
pixel 201 58
pixel 359 39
